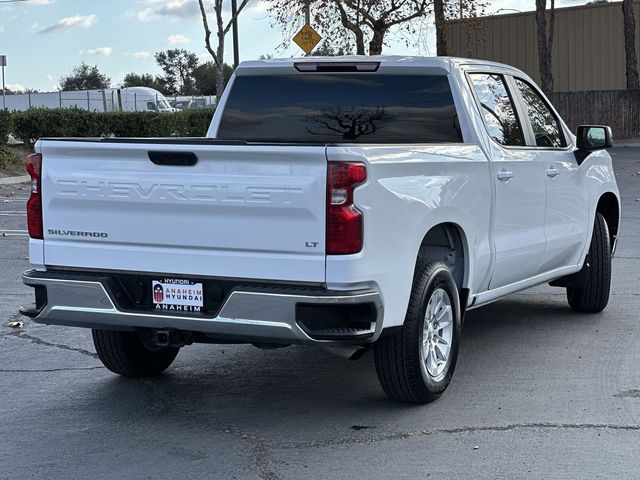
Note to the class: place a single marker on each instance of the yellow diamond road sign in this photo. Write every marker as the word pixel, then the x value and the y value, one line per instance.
pixel 307 38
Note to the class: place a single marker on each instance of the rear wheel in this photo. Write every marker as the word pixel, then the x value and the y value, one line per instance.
pixel 416 364
pixel 594 295
pixel 126 354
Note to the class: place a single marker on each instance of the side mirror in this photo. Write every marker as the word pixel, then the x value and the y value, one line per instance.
pixel 590 138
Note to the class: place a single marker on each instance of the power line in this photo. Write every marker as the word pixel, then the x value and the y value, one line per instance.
pixel 14 1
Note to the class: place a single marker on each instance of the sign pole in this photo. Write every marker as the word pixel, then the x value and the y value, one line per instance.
pixel 307 12
pixel 4 98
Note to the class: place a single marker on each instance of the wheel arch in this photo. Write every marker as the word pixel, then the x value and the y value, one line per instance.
pixel 609 207
pixel 447 241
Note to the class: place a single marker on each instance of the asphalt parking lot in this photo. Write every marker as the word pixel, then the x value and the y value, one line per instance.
pixel 539 392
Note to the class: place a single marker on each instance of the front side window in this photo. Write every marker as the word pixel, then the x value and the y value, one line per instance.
pixel 544 123
pixel 340 108
pixel 497 109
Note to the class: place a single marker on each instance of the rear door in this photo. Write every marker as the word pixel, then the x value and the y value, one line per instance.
pixel 240 211
pixel 519 182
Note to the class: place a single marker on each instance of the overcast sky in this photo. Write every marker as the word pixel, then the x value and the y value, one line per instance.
pixel 44 39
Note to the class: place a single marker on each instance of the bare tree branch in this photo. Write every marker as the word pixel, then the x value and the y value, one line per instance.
pixel 419 13
pixel 207 31
pixel 353 27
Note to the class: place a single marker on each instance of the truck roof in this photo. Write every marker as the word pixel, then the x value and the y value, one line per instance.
pixel 147 90
pixel 388 61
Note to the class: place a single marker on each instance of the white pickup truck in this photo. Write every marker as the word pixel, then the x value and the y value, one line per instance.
pixel 352 203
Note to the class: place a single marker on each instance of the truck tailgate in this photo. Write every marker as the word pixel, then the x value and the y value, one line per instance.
pixel 242 211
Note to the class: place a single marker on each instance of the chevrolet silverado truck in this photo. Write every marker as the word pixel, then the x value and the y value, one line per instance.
pixel 351 203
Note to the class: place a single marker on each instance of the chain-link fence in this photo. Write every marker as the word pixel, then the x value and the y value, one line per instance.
pixel 135 99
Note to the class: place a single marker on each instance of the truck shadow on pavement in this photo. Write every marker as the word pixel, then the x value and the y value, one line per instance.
pixel 240 388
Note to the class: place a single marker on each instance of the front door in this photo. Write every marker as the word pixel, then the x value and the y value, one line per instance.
pixel 566 218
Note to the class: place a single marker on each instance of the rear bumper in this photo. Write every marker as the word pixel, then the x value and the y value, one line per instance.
pixel 279 315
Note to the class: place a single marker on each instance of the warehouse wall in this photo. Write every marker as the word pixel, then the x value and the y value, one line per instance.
pixel 588 49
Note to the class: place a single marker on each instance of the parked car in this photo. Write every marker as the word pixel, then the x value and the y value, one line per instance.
pixel 348 203
pixel 182 104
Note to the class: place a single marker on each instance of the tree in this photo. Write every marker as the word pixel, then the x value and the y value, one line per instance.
pixel 205 78
pixel 633 81
pixel 145 80
pixel 8 91
pixel 327 50
pixel 441 34
pixel 463 10
pixel 468 13
pixel 221 31
pixel 366 20
pixel 545 42
pixel 85 77
pixel 178 66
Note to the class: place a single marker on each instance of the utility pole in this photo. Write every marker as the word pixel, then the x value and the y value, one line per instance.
pixel 461 7
pixel 236 48
pixel 3 63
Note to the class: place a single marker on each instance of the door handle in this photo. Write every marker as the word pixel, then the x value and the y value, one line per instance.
pixel 552 172
pixel 505 175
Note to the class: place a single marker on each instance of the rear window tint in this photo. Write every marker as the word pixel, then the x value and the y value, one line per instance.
pixel 340 108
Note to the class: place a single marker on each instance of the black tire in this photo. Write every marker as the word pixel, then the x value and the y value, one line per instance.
pixel 126 354
pixel 399 358
pixel 594 296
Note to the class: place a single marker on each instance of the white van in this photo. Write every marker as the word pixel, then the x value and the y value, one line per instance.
pixel 139 99
pixel 128 99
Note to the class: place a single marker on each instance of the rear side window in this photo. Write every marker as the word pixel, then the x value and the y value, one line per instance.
pixel 340 108
pixel 546 127
pixel 497 109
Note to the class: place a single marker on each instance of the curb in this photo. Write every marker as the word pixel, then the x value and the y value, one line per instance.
pixel 627 142
pixel 14 180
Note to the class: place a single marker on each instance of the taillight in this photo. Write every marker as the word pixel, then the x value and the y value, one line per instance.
pixel 344 221
pixel 33 164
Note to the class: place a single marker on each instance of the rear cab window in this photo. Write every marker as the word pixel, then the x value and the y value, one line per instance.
pixel 329 108
pixel 497 108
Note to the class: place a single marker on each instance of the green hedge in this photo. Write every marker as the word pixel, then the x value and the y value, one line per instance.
pixel 6 125
pixel 35 123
